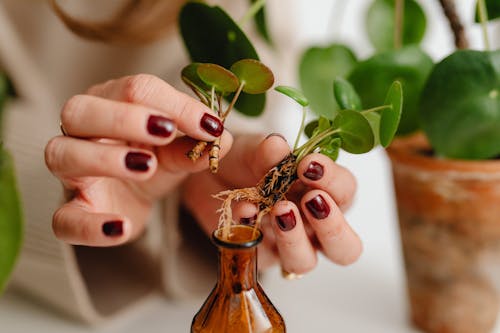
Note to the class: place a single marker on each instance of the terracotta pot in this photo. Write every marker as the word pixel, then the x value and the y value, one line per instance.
pixel 449 217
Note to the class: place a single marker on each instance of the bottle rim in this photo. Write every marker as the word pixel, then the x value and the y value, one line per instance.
pixel 255 234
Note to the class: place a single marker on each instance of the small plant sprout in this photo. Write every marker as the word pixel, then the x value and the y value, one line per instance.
pixel 211 83
pixel 353 129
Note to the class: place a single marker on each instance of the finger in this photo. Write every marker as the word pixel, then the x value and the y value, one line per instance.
pixel 296 252
pixel 320 172
pixel 173 157
pixel 191 116
pixel 94 117
pixel 338 241
pixel 75 225
pixel 245 213
pixel 69 157
pixel 253 156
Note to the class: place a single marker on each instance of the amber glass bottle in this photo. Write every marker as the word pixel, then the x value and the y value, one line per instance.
pixel 238 304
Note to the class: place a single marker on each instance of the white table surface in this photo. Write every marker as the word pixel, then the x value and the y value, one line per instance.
pixel 368 296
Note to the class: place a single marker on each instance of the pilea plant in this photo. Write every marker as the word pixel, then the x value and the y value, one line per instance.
pixel 350 130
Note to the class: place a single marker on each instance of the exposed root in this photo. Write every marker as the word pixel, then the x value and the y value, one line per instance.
pixel 197 150
pixel 213 156
pixel 270 189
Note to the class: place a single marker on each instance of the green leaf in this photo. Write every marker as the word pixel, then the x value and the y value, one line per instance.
pixel 380 24
pixel 189 75
pixel 389 117
pixel 318 68
pixel 331 148
pixel 374 120
pixel 218 77
pixel 345 95
pixel 409 65
pixel 10 218
pixel 355 131
pixel 309 129
pixel 460 105
pixel 323 124
pixel 211 36
pixel 261 24
pixel 294 94
pixel 256 76
pixel 493 9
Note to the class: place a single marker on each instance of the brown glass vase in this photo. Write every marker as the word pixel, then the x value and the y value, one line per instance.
pixel 237 304
pixel 449 218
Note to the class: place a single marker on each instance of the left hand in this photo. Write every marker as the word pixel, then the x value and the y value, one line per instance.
pixel 295 230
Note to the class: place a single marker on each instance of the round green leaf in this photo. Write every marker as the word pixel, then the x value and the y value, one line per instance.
pixel 460 105
pixel 355 131
pixel 294 94
pixel 318 68
pixel 309 129
pixel 189 75
pixel 409 65
pixel 380 24
pixel 211 36
pixel 218 77
pixel 10 218
pixel 345 95
pixel 257 77
pixel 389 117
pixel 331 148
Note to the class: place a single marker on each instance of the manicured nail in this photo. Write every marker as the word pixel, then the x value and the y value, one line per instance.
pixel 113 228
pixel 138 161
pixel 160 126
pixel 318 207
pixel 314 171
pixel 276 134
pixel 286 221
pixel 212 125
pixel 248 220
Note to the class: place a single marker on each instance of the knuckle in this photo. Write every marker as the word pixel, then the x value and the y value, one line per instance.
pixel 52 152
pixel 350 257
pixel 138 87
pixel 71 110
pixel 307 266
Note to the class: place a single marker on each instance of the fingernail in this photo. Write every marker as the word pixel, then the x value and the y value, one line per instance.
pixel 212 125
pixel 113 228
pixel 160 126
pixel 314 171
pixel 286 221
pixel 248 220
pixel 276 134
pixel 138 161
pixel 318 207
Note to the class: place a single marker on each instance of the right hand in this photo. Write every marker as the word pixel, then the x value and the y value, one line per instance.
pixel 121 153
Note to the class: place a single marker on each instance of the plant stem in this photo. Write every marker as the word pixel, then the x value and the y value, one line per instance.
pixel 483 17
pixel 450 12
pixel 212 98
pixel 398 23
pixel 378 108
pixel 233 101
pixel 256 6
pixel 301 129
pixel 310 145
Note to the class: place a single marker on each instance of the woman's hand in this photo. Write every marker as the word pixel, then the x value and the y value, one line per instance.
pixel 122 151
pixel 295 230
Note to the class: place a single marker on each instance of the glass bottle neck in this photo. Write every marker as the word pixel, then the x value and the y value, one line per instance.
pixel 237 269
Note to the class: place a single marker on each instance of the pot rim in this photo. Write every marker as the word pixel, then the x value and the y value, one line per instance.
pixel 408 151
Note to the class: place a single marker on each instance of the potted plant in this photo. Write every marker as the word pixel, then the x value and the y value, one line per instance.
pixel 10 207
pixel 447 179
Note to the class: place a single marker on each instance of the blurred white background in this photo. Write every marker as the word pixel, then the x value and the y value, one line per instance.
pixel 368 296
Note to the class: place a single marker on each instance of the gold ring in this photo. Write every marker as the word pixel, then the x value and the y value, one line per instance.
pixel 290 276
pixel 61 127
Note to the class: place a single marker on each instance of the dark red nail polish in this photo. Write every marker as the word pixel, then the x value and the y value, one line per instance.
pixel 160 126
pixel 318 207
pixel 314 171
pixel 248 220
pixel 286 221
pixel 113 228
pixel 212 125
pixel 136 161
